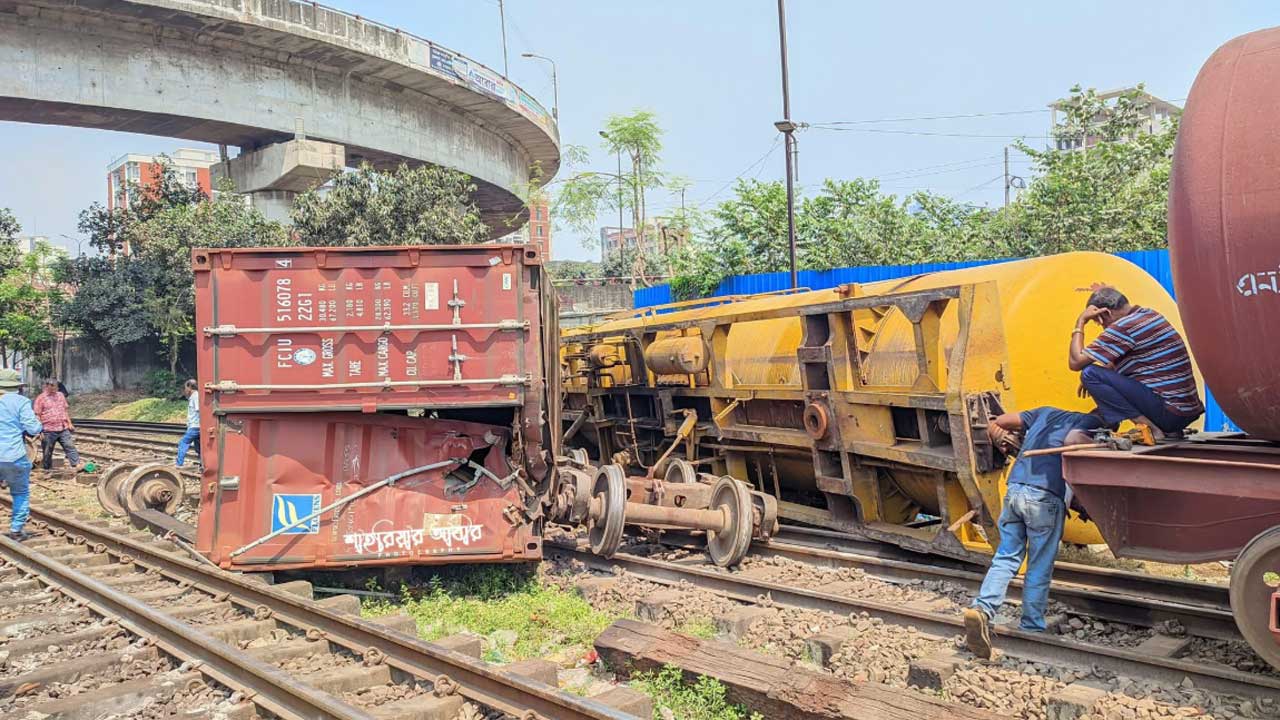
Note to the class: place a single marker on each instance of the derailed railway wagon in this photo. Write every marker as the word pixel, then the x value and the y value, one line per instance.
pixel 861 408
pixel 374 406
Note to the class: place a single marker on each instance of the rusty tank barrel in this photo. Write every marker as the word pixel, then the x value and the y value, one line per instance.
pixel 1224 220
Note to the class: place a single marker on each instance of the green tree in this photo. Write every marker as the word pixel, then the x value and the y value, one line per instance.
pixel 9 229
pixel 27 296
pixel 582 198
pixel 143 287
pixel 1111 195
pixel 104 303
pixel 423 205
pixel 573 269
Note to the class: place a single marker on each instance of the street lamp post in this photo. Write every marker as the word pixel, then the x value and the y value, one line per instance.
pixel 555 84
pixel 788 128
pixel 502 18
pixel 621 238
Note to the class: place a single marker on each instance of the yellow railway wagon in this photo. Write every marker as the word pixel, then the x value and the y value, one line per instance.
pixel 861 408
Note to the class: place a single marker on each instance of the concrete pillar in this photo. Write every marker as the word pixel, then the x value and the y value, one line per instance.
pixel 273 204
pixel 273 176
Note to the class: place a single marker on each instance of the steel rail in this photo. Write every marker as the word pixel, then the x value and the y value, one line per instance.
pixel 131 426
pixel 477 681
pixel 1035 647
pixel 100 436
pixel 268 687
pixel 1107 579
pixel 1204 610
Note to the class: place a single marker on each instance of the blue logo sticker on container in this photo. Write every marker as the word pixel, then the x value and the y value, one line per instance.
pixel 287 510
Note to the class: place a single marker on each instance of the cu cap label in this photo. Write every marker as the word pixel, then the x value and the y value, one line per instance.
pixel 287 510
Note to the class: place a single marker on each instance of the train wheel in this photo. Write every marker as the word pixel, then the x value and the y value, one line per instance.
pixel 1254 577
pixel 109 488
pixel 728 546
pixel 680 471
pixel 610 490
pixel 156 486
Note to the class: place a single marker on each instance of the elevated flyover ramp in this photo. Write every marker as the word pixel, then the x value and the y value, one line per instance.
pixel 257 73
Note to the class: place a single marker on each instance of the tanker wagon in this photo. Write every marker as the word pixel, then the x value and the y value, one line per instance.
pixel 370 406
pixel 862 408
pixel 1216 496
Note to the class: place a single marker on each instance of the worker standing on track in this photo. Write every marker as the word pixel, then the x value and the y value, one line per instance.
pixel 55 415
pixel 1035 508
pixel 16 420
pixel 1138 369
pixel 191 438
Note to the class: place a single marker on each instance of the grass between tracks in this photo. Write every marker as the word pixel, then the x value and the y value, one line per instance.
pixel 127 405
pixel 703 700
pixel 521 616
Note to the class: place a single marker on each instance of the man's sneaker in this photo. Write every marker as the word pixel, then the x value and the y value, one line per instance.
pixel 20 536
pixel 977 633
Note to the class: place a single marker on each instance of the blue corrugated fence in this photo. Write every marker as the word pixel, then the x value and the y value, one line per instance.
pixel 1155 262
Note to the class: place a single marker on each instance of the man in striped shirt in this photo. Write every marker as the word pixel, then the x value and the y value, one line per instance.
pixel 1138 369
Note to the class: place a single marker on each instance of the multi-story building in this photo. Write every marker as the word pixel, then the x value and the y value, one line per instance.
pixel 191 166
pixel 539 227
pixel 1156 113
pixel 615 240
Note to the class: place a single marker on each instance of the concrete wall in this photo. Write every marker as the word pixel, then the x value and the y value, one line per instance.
pixel 86 368
pixel 582 304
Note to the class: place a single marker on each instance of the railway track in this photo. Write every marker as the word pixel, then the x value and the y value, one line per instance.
pixel 744 587
pixel 135 426
pixel 1204 610
pixel 154 628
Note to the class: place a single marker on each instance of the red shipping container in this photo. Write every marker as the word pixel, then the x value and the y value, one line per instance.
pixel 325 371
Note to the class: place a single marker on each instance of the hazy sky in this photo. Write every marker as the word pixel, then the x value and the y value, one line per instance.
pixel 709 69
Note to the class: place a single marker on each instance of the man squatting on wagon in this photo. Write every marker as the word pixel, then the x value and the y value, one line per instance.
pixel 1138 369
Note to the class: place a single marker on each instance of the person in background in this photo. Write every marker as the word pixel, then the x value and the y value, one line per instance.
pixel 1138 369
pixel 191 438
pixel 1035 508
pixel 16 420
pixel 55 415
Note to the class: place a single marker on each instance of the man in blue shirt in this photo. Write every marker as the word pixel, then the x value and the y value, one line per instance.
pixel 16 419
pixel 1035 507
pixel 191 438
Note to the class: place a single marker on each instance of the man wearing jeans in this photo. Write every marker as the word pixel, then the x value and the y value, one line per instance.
pixel 1138 369
pixel 191 438
pixel 53 413
pixel 1035 507
pixel 16 419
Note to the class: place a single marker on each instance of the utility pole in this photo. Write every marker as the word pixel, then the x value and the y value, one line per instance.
pixel 502 17
pixel 787 128
pixel 1006 176
pixel 621 237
